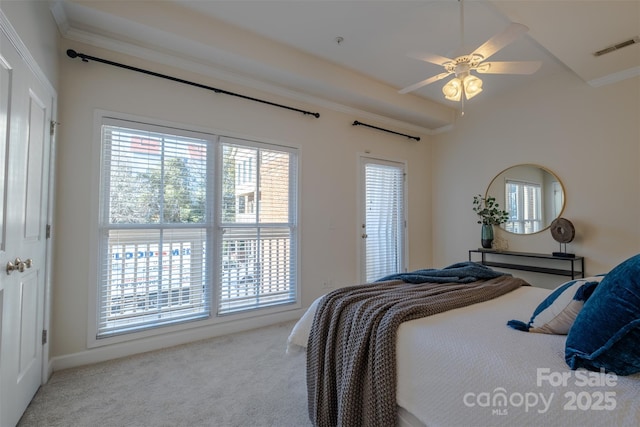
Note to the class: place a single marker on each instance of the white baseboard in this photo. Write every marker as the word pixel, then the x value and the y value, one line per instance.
pixel 101 354
pixel 48 371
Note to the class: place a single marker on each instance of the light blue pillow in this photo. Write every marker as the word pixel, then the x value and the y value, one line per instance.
pixel 606 333
pixel 556 314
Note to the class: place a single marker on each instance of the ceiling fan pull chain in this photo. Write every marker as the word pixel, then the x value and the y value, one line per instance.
pixel 461 23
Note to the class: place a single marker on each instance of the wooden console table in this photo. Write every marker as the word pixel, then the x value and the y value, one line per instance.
pixel 566 262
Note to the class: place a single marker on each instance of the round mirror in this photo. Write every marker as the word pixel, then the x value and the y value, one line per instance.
pixel 532 195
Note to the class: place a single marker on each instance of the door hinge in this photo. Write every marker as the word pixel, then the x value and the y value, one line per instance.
pixel 52 127
pixel 44 336
pixel 48 232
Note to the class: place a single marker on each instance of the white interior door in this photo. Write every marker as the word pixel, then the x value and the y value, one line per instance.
pixel 25 115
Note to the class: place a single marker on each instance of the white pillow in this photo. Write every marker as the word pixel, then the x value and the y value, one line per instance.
pixel 556 314
pixel 299 335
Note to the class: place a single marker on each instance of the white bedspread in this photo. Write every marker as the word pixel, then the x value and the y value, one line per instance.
pixel 458 368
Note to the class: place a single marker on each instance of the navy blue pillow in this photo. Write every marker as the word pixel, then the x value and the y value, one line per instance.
pixel 606 333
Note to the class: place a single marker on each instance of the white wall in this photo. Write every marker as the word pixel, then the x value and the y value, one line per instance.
pixel 329 148
pixel 34 23
pixel 589 137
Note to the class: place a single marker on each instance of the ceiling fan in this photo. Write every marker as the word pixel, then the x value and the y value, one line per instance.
pixel 465 85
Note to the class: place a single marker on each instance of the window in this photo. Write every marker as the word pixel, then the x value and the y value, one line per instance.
pixel 383 219
pixel 258 238
pixel 524 206
pixel 167 255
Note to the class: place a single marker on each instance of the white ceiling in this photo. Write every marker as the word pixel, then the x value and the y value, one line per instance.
pixel 291 45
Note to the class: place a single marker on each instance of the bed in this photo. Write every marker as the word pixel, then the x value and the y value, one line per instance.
pixel 465 367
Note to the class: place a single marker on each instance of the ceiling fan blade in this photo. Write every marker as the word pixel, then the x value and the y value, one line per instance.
pixel 430 57
pixel 500 40
pixel 509 67
pixel 423 83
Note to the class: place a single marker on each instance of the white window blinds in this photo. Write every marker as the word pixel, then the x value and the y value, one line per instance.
pixel 161 240
pixel 258 223
pixel 384 219
pixel 524 207
pixel 154 228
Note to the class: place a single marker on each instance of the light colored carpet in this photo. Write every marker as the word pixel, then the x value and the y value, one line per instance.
pixel 242 380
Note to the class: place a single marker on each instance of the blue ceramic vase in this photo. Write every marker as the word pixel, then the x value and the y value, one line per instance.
pixel 486 237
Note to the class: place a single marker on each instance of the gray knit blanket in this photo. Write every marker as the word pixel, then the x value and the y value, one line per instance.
pixel 351 352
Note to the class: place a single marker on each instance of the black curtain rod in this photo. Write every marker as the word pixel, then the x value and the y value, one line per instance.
pixel 85 58
pixel 357 123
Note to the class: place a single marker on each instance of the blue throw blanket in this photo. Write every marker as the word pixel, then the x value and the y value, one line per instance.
pixel 461 272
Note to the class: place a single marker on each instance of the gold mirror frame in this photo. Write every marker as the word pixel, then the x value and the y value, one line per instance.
pixel 552 195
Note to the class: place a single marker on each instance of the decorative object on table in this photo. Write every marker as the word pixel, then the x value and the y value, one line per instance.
pixel 500 244
pixel 563 232
pixel 490 214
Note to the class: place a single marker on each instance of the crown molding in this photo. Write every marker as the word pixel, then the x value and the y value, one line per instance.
pixel 60 16
pixel 187 64
pixel 615 77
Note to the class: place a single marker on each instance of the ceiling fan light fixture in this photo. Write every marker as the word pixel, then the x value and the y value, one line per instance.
pixel 472 86
pixel 464 85
pixel 453 89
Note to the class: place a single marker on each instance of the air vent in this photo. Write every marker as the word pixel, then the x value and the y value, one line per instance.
pixel 626 43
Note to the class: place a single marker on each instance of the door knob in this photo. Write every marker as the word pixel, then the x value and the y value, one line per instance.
pixel 10 267
pixel 18 265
